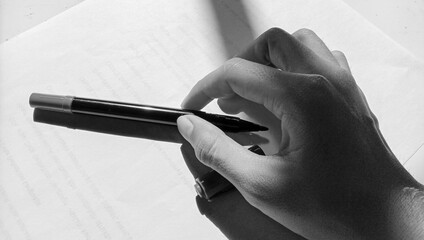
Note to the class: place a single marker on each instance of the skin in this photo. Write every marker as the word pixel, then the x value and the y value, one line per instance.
pixel 332 175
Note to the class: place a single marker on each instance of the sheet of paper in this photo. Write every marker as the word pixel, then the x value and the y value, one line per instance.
pixel 57 183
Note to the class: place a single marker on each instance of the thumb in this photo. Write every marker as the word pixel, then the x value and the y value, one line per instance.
pixel 216 150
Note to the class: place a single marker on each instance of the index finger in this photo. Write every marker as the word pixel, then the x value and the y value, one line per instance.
pixel 252 81
pixel 281 50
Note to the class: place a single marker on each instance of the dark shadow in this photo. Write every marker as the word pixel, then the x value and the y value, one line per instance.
pixel 231 213
pixel 234 25
pixel 237 219
pixel 128 128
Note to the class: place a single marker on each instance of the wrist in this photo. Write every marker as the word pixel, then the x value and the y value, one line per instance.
pixel 392 203
pixel 406 212
pixel 403 201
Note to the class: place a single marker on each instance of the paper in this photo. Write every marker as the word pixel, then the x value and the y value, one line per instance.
pixel 58 183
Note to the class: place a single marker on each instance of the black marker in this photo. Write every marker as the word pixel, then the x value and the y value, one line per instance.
pixel 137 112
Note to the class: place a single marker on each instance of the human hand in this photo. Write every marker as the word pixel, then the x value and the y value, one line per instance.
pixel 333 175
pixel 231 213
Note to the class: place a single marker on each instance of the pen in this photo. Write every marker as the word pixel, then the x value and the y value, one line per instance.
pixel 136 112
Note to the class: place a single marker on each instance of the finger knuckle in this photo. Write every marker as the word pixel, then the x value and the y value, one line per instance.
pixel 374 117
pixel 230 65
pixel 369 119
pixel 318 82
pixel 280 45
pixel 317 90
pixel 276 35
pixel 338 53
pixel 304 33
pixel 345 80
pixel 275 31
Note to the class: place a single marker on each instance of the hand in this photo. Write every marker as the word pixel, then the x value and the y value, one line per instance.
pixel 333 176
pixel 230 212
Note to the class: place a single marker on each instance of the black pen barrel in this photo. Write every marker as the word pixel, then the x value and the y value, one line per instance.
pixel 155 114
pixel 136 112
pixel 129 111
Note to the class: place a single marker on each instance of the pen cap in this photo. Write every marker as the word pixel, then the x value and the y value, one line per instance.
pixel 256 149
pixel 211 184
pixel 51 102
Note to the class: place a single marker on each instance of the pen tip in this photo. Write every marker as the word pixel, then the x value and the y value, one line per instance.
pixel 262 128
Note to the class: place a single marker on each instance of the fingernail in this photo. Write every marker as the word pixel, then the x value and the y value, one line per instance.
pixel 185 126
pixel 183 103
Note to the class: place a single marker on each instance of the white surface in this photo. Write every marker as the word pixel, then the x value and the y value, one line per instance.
pixel 57 183
pixel 17 16
pixel 403 21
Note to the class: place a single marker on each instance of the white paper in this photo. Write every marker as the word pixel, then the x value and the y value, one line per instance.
pixel 57 183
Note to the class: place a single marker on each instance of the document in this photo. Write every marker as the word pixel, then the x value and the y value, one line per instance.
pixel 59 183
